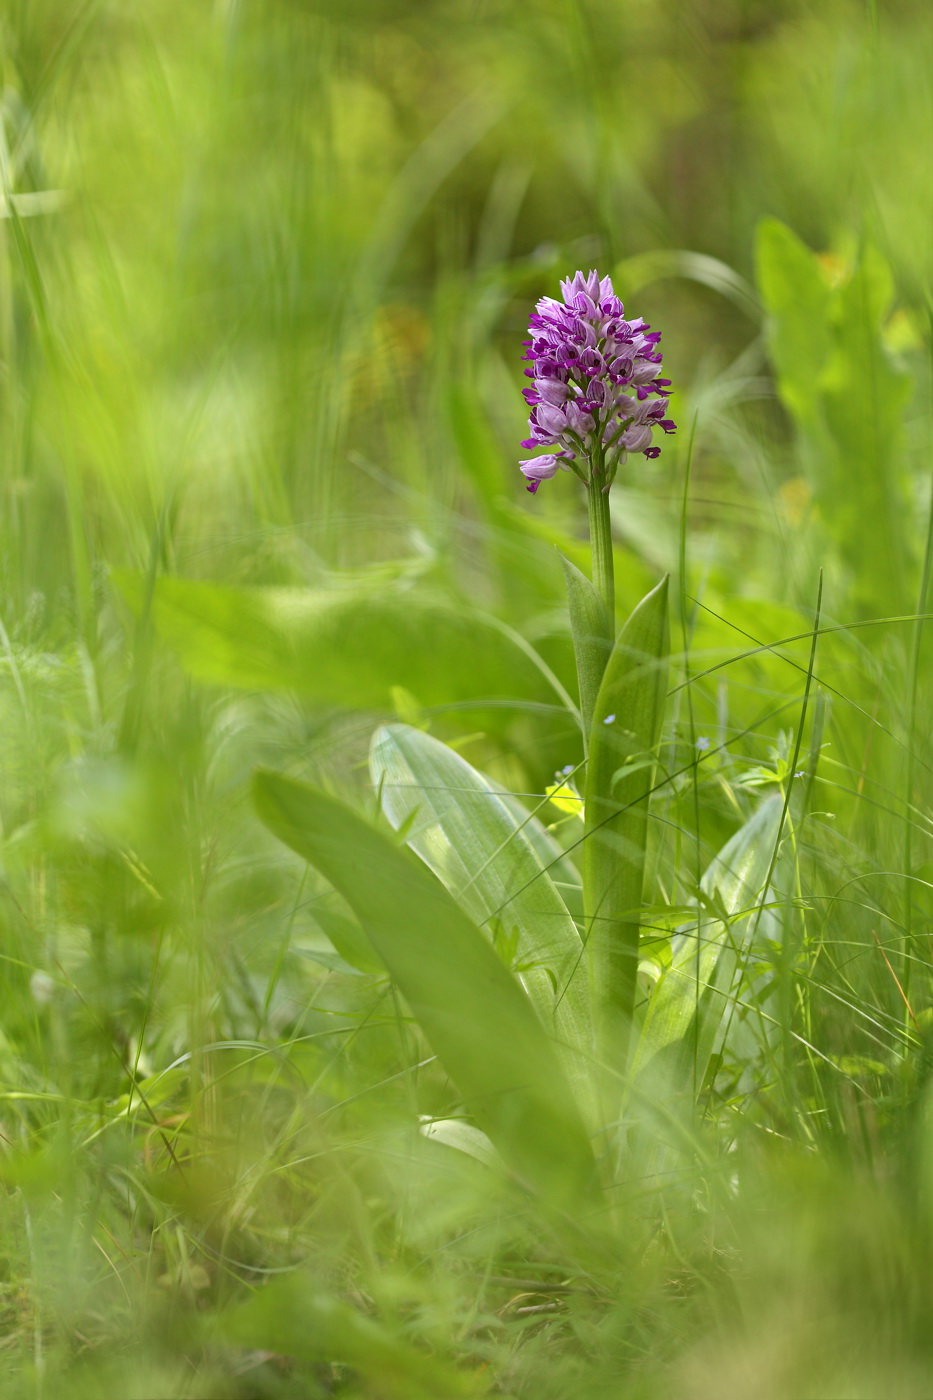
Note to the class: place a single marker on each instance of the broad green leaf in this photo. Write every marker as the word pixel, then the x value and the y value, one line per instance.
pixel 464 830
pixel 847 397
pixel 343 647
pixel 864 396
pixel 567 878
pixel 293 1317
pixel 626 729
pixel 473 1013
pixel 348 938
pixel 592 638
pixel 797 299
pixel 549 851
pixel 694 992
pixel 332 961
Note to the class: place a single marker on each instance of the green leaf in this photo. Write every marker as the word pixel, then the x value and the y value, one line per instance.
pixel 462 1137
pixel 474 1015
pixel 626 726
pixel 344 647
pixel 348 938
pixel 797 299
pixel 550 853
pixel 847 397
pixel 864 395
pixel 695 991
pixel 592 638
pixel 466 832
pixel 293 1317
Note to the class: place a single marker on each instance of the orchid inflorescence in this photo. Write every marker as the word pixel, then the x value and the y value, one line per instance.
pixel 596 395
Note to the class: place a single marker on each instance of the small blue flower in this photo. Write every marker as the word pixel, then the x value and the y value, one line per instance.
pixel 567 769
pixel 609 719
pixel 703 743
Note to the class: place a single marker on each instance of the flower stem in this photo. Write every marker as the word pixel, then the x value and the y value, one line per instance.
pixel 601 545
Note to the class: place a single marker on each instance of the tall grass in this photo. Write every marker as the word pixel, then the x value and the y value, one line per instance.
pixel 264 268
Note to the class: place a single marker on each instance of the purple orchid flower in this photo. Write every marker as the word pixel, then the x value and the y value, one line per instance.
pixel 597 391
pixel 538 469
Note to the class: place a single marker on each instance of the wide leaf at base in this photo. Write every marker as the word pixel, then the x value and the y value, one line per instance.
pixel 474 1015
pixel 465 831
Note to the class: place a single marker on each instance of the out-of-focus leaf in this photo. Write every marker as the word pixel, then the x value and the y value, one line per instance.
pixel 662 263
pixel 864 396
pixel 694 992
pixel 626 726
pixel 460 826
pixel 293 1317
pixel 847 396
pixel 798 300
pixel 479 452
pixel 475 1016
pixel 342 647
pixel 332 961
pixel 463 1137
pixel 348 938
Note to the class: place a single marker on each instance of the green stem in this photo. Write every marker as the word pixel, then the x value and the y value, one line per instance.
pixel 601 543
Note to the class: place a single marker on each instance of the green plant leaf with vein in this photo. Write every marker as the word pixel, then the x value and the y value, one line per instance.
pixel 693 994
pixel 473 840
pixel 473 1013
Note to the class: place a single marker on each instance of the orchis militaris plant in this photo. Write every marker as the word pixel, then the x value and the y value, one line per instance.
pixel 534 1013
pixel 597 396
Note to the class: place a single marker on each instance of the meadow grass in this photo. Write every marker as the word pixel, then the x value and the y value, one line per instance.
pixel 264 270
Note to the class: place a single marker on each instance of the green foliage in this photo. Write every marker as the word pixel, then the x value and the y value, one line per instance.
pixel 697 988
pixel 347 648
pixel 592 639
pixel 482 850
pixel 475 1018
pixel 292 1316
pixel 626 728
pixel 264 271
pixel 847 396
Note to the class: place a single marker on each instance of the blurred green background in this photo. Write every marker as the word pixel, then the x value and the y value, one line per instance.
pixel 265 267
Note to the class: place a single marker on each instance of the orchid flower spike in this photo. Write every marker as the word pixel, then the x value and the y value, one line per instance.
pixel 597 394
